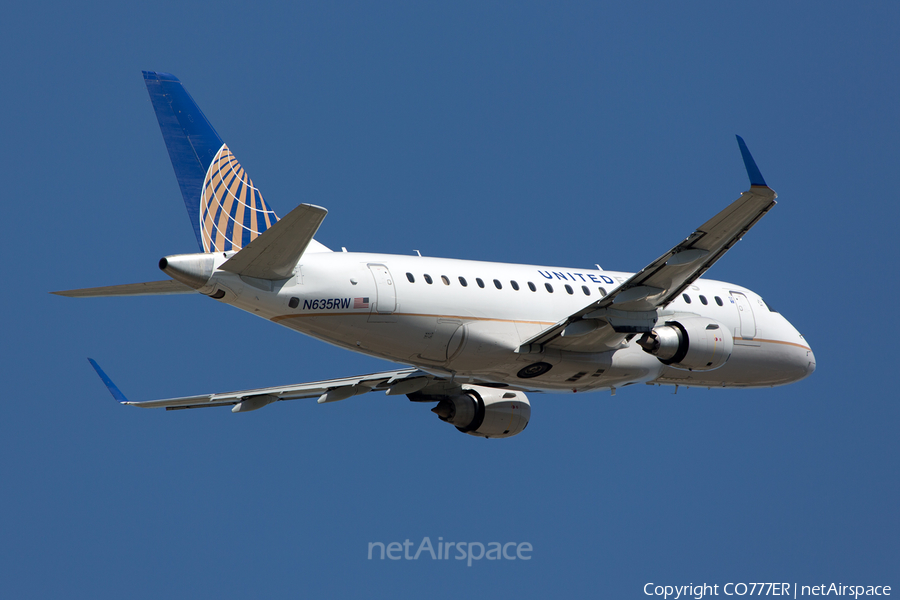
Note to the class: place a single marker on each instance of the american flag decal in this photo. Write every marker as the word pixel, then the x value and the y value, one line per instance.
pixel 360 303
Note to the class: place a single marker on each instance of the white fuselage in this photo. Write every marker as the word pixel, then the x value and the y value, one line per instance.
pixel 463 323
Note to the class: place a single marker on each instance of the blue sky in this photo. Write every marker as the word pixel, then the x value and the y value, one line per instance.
pixel 517 132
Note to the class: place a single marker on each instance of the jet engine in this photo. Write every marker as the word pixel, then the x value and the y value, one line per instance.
pixel 692 343
pixel 485 412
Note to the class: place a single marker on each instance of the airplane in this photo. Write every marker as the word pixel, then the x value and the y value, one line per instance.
pixel 475 337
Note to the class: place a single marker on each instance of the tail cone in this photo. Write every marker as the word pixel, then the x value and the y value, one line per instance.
pixel 190 269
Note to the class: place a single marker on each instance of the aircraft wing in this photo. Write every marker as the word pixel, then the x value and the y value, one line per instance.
pixel 401 381
pixel 631 308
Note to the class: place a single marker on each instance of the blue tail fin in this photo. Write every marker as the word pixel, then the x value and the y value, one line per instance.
pixel 226 210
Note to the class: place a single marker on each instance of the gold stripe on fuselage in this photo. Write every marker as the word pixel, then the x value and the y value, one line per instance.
pixel 280 318
pixel 367 314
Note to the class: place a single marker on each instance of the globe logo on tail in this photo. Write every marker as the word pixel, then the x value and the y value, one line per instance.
pixel 232 211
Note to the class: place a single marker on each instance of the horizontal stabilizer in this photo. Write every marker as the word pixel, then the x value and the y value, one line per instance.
pixel 149 288
pixel 274 254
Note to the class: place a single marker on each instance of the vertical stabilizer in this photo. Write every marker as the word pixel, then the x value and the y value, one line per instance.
pixel 226 210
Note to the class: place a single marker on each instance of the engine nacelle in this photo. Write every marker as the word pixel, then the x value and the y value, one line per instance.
pixel 692 343
pixel 486 412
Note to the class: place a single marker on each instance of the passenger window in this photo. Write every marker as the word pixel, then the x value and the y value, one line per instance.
pixel 497 284
pixel 602 291
pixel 462 281
pixel 514 285
pixel 479 282
pixel 569 289
pixel 718 301
pixel 703 300
pixel 428 279
pixel 686 298
pixel 549 287
pixel 445 280
pixel 586 290
pixel 294 302
pixel 410 277
pixel 531 287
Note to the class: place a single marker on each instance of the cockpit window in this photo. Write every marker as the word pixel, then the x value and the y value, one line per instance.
pixel 769 306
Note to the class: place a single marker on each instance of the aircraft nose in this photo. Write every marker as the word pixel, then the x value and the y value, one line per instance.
pixel 811 366
pixel 803 363
pixel 800 360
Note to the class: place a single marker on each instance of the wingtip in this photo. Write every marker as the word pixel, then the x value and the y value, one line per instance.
pixel 113 389
pixel 753 173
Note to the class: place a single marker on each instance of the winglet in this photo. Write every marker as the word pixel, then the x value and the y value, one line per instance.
pixel 756 177
pixel 117 394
